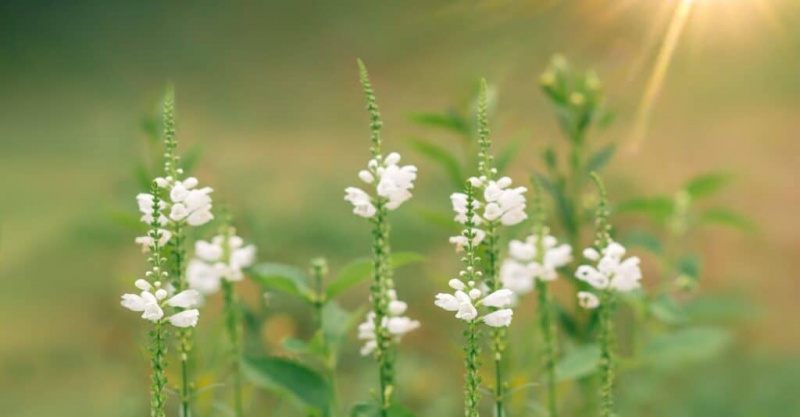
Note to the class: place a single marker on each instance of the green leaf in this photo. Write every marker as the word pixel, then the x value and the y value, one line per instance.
pixel 507 155
pixel 642 239
pixel 564 207
pixel 724 308
pixel 283 278
pixel 361 269
pixel 190 158
pixel 689 265
pixel 658 208
pixel 442 156
pixel 708 184
pixel 288 377
pixel 441 218
pixel 373 410
pixel 336 323
pixel 687 345
pixel 296 346
pixel 600 158
pixel 724 217
pixel 448 121
pixel 667 310
pixel 579 362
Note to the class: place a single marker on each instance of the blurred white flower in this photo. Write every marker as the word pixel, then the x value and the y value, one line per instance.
pixel 588 300
pixel 397 324
pixel 611 272
pixel 392 183
pixel 500 204
pixel 208 268
pixel 520 270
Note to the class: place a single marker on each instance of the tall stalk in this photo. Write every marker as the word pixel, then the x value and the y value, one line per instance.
pixel 546 324
pixel 472 348
pixel 607 305
pixel 232 323
pixel 382 282
pixel 158 335
pixel 492 252
pixel 319 269
pixel 178 248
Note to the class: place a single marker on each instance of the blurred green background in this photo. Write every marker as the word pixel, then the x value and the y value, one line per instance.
pixel 268 91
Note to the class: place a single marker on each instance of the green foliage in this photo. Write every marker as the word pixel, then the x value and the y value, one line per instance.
pixel 687 345
pixel 658 208
pixel 282 278
pixel 579 362
pixel 360 270
pixel 707 185
pixel 442 156
pixel 373 410
pixel 727 218
pixel 599 159
pixel 288 377
pixel 667 310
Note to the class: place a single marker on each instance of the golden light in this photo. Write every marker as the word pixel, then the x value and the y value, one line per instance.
pixel 733 20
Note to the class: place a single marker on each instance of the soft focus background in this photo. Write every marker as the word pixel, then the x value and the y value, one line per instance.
pixel 268 92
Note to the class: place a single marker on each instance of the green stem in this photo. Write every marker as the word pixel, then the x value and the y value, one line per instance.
pixel 234 335
pixel 158 348
pixel 498 334
pixel 473 380
pixel 185 335
pixel 548 336
pixel 606 356
pixel 380 301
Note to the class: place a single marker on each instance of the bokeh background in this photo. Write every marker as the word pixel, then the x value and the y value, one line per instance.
pixel 268 98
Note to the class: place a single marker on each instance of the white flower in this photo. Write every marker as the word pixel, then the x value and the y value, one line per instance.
pixel 146 241
pixel 397 324
pixel 152 305
pixel 499 318
pixel 466 304
pixel 206 271
pixel 611 272
pixel 186 299
pixel 186 318
pixel 186 203
pixel 461 241
pixel 392 182
pixel 520 271
pixel 588 300
pixel 500 298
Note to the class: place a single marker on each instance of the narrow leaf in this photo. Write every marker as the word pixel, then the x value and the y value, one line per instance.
pixel 658 208
pixel 724 217
pixel 283 278
pixel 600 158
pixel 442 156
pixel 708 184
pixel 507 155
pixel 288 377
pixel 361 269
pixel 449 121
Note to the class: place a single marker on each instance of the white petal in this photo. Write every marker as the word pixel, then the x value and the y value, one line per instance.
pixel 186 299
pixel 186 318
pixel 500 298
pixel 133 302
pixel 499 318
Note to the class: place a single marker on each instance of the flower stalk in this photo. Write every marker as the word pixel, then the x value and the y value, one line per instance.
pixel 546 324
pixel 607 305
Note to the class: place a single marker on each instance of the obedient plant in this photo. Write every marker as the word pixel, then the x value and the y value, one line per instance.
pixel 219 264
pixel 534 263
pixel 469 296
pixel 157 300
pixel 390 184
pixel 499 205
pixel 611 275
pixel 187 205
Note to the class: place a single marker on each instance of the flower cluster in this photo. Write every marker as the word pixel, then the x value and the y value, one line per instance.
pixel 500 203
pixel 153 299
pixel 395 322
pixel 467 298
pixel 222 258
pixel 612 273
pixel 522 268
pixel 391 181
pixel 186 203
